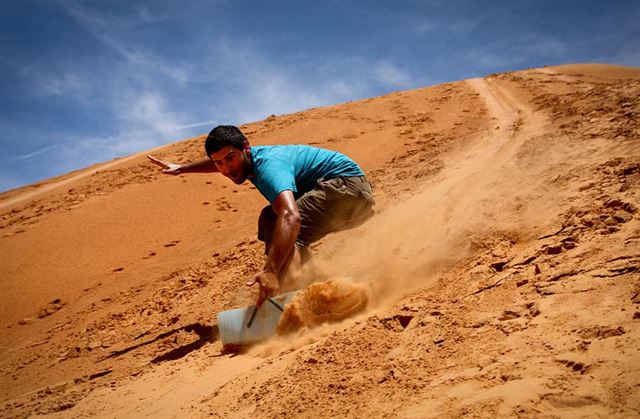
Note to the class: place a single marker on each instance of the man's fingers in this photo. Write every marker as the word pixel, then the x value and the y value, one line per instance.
pixel 158 161
pixel 262 295
pixel 262 290
pixel 266 289
pixel 168 168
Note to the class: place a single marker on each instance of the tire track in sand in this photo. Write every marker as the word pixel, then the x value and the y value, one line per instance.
pixel 516 122
pixel 469 196
pixel 510 112
pixel 475 181
pixel 479 163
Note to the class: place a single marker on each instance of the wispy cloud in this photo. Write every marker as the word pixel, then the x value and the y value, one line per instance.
pixel 113 78
pixel 194 125
pixel 258 85
pixel 67 84
pixel 133 91
pixel 243 82
pixel 511 53
pixel 106 27
pixel 34 153
pixel 388 74
pixel 148 110
pixel 452 25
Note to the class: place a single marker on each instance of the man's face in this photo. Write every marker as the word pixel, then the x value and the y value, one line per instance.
pixel 232 163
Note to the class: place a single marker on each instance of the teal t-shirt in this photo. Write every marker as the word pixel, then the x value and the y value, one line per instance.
pixel 297 168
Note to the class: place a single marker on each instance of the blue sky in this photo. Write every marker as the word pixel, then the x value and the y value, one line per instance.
pixel 87 81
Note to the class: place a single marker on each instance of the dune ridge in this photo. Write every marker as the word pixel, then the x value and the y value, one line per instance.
pixel 503 267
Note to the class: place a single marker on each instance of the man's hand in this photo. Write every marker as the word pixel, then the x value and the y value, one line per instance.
pixel 169 168
pixel 269 285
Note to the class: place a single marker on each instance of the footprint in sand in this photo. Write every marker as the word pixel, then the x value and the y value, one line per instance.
pixel 51 308
pixel 172 243
pixel 223 205
pixel 602 332
pixel 576 365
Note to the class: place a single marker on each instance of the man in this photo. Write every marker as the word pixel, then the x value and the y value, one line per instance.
pixel 311 191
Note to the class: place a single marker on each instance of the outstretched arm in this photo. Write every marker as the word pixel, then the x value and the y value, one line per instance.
pixel 204 165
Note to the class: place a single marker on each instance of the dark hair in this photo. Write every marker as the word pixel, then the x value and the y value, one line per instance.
pixel 224 135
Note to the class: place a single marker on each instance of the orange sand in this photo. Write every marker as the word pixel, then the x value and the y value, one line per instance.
pixel 503 260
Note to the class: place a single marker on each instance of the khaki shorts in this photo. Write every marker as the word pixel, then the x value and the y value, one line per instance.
pixel 333 205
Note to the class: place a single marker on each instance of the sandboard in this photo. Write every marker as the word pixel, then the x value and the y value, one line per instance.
pixel 241 326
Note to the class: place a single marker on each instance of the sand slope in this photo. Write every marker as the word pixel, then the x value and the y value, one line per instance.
pixel 503 265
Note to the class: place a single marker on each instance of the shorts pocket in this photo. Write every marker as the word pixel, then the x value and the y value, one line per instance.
pixel 336 187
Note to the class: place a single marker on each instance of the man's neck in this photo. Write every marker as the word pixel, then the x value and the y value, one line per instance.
pixel 249 158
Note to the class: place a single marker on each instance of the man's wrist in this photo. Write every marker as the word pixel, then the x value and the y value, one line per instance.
pixel 269 268
pixel 270 280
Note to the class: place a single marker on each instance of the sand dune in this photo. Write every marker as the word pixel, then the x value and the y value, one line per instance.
pixel 502 269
